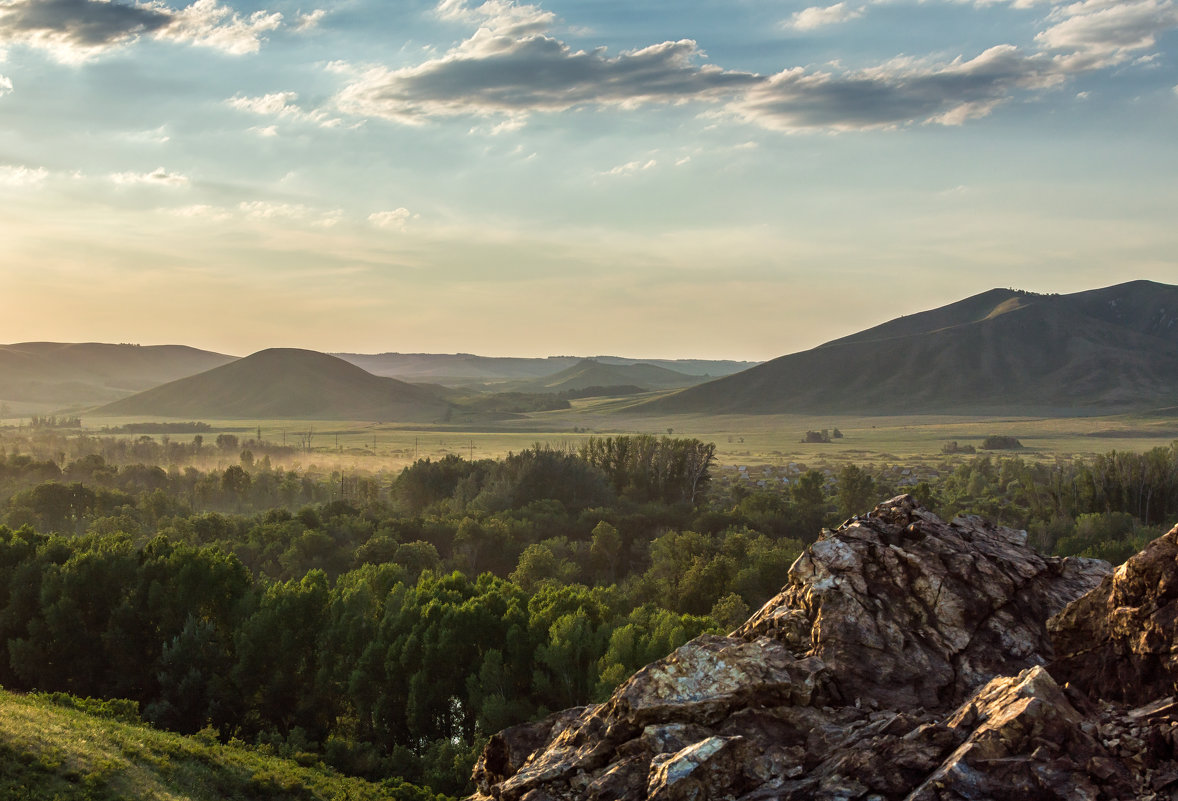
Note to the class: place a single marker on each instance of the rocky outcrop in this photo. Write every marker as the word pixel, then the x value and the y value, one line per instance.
pixel 904 659
pixel 1118 642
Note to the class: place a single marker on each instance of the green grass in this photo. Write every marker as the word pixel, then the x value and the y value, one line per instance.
pixel 54 752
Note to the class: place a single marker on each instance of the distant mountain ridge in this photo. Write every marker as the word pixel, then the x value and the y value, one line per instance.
pixel 593 373
pixel 465 368
pixel 286 383
pixel 86 373
pixel 1002 351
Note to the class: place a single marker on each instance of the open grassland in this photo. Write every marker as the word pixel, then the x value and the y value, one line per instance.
pixel 51 752
pixel 740 439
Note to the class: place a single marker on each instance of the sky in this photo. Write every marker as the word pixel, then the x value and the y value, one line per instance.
pixel 692 179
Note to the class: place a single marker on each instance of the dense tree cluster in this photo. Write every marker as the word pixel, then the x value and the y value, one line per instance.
pixel 388 623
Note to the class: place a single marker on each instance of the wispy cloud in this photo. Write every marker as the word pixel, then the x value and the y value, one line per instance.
pixel 309 21
pixel 632 167
pixel 504 17
pixel 77 30
pixel 157 177
pixel 395 219
pixel 283 105
pixel 819 16
pixel 19 175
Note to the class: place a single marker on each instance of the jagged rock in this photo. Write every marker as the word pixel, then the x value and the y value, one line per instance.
pixel 1118 642
pixel 1025 741
pixel 903 660
pixel 907 610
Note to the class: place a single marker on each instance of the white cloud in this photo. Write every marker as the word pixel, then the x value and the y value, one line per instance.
pixel 818 16
pixel 1100 33
pixel 503 17
pixel 309 21
pixel 632 167
pixel 157 177
pixel 269 211
pixel 17 175
pixel 73 31
pixel 395 219
pixel 267 131
pixel 5 85
pixel 281 104
pixel 209 24
pixel 156 136
pixel 201 211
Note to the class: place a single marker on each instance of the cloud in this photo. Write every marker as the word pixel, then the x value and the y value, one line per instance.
pixel 5 85
pixel 503 17
pixel 76 30
pixel 309 21
pixel 157 177
pixel 1101 33
pixel 396 219
pixel 17 175
pixel 269 211
pixel 208 24
pixel 512 67
pixel 632 167
pixel 817 16
pixel 282 104
pixel 493 74
pixel 156 136
pixel 896 93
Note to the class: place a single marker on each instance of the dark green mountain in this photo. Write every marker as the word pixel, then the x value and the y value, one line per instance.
pixel 286 383
pixel 1003 351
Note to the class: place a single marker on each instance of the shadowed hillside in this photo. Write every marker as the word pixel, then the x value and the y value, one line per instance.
pixel 91 372
pixel 466 368
pixel 1000 351
pixel 592 373
pixel 286 383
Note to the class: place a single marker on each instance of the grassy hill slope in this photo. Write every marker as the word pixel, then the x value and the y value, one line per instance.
pixel 286 383
pixel 91 372
pixel 998 352
pixel 52 752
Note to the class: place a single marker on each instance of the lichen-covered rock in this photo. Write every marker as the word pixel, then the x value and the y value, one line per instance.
pixel 1119 642
pixel 903 660
pixel 1025 740
pixel 907 610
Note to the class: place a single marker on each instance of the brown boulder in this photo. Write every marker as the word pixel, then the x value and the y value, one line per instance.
pixel 1119 642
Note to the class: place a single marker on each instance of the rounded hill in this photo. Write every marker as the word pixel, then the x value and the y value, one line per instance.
pixel 286 383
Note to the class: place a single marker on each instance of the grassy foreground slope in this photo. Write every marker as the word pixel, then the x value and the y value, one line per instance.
pixel 50 751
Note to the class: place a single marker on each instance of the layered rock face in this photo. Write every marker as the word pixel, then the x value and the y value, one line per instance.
pixel 906 658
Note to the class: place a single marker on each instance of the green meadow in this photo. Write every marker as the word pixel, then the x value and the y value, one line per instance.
pixel 740 439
